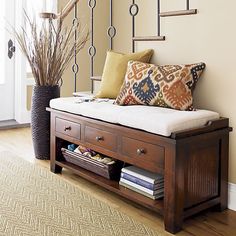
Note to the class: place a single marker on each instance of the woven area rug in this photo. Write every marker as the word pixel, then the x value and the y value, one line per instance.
pixel 34 201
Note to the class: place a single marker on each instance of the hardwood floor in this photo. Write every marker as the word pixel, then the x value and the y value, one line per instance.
pixel 209 223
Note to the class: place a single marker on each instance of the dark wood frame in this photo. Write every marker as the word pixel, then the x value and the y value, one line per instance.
pixel 194 162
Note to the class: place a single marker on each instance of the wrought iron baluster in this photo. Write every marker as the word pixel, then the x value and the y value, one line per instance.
pixel 92 48
pixel 187 5
pixel 133 11
pixel 158 18
pixel 111 31
pixel 75 67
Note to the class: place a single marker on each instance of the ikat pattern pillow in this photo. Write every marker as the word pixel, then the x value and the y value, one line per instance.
pixel 169 86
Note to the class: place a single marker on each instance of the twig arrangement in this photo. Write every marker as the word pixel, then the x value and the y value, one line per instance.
pixel 49 48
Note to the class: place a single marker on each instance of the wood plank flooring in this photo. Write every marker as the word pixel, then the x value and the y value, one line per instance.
pixel 209 223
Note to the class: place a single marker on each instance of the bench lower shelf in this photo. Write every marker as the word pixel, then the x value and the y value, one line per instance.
pixel 112 185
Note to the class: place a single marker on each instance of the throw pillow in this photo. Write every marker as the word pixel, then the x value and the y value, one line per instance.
pixel 168 86
pixel 114 71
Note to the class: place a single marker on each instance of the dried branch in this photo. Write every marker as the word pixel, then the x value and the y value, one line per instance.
pixel 49 48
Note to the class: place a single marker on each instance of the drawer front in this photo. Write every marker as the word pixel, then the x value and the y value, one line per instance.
pixel 67 127
pixel 101 138
pixel 142 153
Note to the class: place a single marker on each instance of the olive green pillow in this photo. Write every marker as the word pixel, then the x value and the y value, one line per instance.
pixel 114 71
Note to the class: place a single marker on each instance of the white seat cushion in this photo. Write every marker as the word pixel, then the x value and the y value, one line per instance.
pixel 157 120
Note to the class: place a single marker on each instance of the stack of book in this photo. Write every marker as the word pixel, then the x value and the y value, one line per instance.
pixel 142 181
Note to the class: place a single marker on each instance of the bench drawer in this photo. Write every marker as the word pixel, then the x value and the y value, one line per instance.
pixel 68 128
pixel 142 153
pixel 101 138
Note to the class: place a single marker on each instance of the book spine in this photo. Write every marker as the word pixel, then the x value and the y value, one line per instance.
pixel 137 180
pixel 145 178
pixel 141 192
pixel 141 187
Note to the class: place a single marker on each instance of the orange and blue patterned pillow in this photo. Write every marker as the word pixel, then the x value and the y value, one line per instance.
pixel 169 86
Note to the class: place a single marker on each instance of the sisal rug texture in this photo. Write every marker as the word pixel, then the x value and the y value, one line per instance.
pixel 34 201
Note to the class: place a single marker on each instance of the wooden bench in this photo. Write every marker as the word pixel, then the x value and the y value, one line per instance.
pixel 194 162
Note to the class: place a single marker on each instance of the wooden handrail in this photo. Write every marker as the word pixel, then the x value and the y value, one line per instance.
pixel 66 10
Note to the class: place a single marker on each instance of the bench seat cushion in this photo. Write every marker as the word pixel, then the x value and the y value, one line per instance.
pixel 157 120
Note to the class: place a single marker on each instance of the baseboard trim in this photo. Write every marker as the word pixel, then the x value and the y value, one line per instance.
pixel 232 197
pixel 12 124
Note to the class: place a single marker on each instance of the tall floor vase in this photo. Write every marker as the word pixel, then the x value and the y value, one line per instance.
pixel 40 119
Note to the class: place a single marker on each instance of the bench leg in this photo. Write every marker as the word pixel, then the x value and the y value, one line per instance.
pixel 55 168
pixel 174 191
pixel 171 224
pixel 55 147
pixel 224 162
pixel 223 175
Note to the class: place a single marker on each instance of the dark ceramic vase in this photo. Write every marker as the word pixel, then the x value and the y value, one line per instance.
pixel 40 119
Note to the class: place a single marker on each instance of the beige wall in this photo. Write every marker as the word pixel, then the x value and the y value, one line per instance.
pixel 100 40
pixel 209 36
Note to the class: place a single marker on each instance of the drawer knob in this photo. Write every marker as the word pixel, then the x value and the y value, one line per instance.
pixel 99 138
pixel 67 128
pixel 140 151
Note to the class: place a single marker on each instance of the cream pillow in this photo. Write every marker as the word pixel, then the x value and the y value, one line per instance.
pixel 114 71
